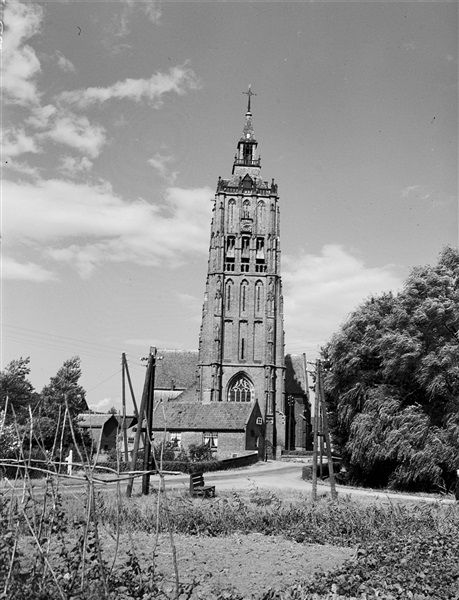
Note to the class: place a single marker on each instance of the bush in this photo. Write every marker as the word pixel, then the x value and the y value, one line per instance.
pixel 199 453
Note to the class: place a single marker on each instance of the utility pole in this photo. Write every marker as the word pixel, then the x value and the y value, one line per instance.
pixel 124 425
pixel 326 433
pixel 322 423
pixel 315 427
pixel 147 463
pixel 145 412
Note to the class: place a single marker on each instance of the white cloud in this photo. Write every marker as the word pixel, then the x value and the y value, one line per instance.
pixel 51 214
pixel 320 292
pixel 415 191
pixel 22 167
pixel 41 116
pixel 20 64
pixel 12 269
pixel 77 132
pixel 72 166
pixel 178 79
pixel 160 162
pixel 102 406
pixel 152 9
pixel 64 63
pixel 409 190
pixel 119 24
pixel 17 141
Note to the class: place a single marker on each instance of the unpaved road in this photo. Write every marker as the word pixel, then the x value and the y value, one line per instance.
pixel 277 475
pixel 273 475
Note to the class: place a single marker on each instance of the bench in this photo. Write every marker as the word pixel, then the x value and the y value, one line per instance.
pixel 198 487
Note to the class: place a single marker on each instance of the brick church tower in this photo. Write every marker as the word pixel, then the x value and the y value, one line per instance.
pixel 241 345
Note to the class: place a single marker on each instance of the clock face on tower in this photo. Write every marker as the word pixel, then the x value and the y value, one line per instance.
pixel 247 135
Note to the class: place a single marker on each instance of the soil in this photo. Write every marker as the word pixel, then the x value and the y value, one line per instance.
pixel 248 564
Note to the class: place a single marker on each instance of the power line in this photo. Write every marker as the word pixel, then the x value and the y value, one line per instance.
pixel 96 386
pixel 55 337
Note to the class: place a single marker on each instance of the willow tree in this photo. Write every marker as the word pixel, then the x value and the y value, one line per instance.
pixel 392 382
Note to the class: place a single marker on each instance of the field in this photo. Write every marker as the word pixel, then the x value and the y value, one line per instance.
pixel 256 543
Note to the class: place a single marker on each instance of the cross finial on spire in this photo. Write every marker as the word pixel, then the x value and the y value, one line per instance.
pixel 249 93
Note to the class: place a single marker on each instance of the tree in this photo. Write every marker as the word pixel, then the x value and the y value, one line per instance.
pixel 392 384
pixel 17 390
pixel 64 387
pixel 62 391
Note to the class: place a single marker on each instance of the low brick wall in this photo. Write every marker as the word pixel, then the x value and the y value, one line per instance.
pixel 239 461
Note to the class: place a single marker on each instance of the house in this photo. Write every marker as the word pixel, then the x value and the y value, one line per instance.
pixel 102 429
pixel 229 429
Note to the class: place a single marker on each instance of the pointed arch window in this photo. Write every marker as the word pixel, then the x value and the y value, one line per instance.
pixel 231 212
pixel 240 389
pixel 244 295
pixel 258 297
pixel 261 208
pixel 229 294
pixel 246 209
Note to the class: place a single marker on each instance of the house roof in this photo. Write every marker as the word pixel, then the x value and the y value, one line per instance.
pixel 94 420
pixel 199 417
pixel 295 377
pixel 176 369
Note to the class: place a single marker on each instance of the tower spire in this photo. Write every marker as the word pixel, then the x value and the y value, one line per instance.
pixel 249 93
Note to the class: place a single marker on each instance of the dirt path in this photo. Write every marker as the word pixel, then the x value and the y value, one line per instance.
pixel 248 563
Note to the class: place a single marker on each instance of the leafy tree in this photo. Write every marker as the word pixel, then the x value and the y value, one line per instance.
pixel 64 387
pixel 392 384
pixel 17 389
pixel 62 391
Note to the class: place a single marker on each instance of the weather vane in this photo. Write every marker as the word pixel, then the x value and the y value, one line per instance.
pixel 249 93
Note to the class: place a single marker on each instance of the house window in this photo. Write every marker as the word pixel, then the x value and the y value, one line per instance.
pixel 176 439
pixel 210 439
pixel 241 390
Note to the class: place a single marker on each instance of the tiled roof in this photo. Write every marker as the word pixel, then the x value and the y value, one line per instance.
pixel 218 416
pixel 93 420
pixel 165 395
pixel 294 374
pixel 176 370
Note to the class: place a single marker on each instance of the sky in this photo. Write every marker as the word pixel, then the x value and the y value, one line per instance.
pixel 119 117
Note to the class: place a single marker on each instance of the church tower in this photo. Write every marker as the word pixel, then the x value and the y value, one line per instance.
pixel 241 345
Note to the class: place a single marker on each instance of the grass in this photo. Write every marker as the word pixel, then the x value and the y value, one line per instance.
pixel 50 545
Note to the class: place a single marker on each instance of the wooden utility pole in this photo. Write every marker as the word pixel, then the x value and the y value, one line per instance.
pixel 123 395
pixel 147 463
pixel 147 398
pixel 321 430
pixel 326 433
pixel 315 427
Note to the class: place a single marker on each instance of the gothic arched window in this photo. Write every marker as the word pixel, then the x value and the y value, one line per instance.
pixel 231 212
pixel 228 295
pixel 240 389
pixel 261 206
pixel 258 297
pixel 246 209
pixel 244 296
